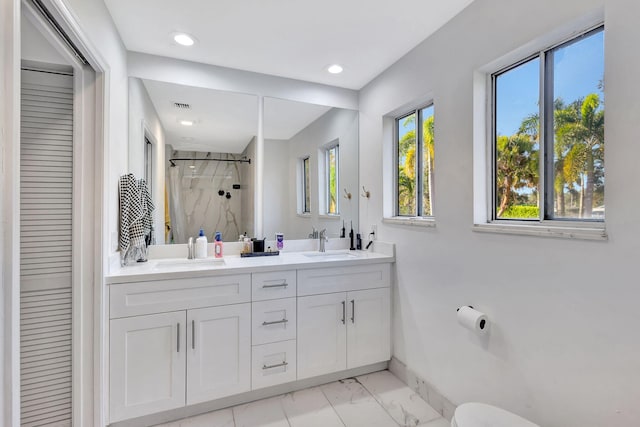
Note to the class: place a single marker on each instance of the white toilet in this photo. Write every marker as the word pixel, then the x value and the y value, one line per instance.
pixel 482 415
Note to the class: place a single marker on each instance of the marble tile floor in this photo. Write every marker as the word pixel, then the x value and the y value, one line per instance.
pixel 374 400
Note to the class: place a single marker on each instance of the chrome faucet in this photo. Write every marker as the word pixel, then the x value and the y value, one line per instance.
pixel 322 236
pixel 191 250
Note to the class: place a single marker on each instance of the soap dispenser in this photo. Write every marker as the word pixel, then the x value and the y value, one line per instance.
pixel 217 245
pixel 201 245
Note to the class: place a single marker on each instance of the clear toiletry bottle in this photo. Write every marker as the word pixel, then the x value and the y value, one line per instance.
pixel 201 245
pixel 247 246
pixel 217 245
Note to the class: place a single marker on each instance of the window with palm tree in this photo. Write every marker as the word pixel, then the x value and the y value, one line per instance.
pixel 415 174
pixel 551 168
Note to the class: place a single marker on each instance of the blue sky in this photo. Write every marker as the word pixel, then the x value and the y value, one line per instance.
pixel 578 69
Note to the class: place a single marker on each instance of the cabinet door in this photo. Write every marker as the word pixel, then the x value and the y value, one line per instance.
pixel 219 358
pixel 368 327
pixel 322 335
pixel 147 364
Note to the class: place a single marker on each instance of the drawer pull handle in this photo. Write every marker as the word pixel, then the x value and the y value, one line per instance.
pixel 279 285
pixel 343 311
pixel 276 322
pixel 193 334
pixel 279 365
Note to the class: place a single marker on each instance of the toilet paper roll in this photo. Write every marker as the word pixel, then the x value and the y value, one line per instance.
pixel 473 320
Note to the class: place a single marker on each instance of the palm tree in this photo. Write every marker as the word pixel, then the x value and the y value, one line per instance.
pixel 517 167
pixel 407 167
pixel 429 155
pixel 583 136
pixel 407 174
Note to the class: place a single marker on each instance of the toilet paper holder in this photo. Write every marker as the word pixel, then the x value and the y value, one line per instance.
pixel 482 324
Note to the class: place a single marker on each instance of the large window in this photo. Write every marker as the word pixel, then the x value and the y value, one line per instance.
pixel 549 134
pixel 332 175
pixel 415 155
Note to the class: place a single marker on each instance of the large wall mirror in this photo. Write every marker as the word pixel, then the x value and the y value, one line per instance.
pixel 197 148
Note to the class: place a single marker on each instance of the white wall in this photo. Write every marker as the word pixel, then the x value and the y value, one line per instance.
pixel 563 348
pixel 35 47
pixel 95 21
pixel 164 69
pixel 335 124
pixel 143 115
pixel 278 190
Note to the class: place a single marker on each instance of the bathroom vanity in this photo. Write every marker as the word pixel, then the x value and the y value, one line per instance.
pixel 184 333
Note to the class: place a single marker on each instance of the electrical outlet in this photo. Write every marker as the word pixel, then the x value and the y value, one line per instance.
pixel 374 232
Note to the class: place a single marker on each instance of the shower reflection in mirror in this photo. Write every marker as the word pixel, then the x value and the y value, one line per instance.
pixel 204 192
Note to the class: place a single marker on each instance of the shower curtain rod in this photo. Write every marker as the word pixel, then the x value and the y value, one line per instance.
pixel 216 160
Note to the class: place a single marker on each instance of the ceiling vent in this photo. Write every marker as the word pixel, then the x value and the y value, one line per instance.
pixel 181 106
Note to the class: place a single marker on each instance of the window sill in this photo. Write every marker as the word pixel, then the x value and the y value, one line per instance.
pixel 304 215
pixel 578 231
pixel 412 221
pixel 325 216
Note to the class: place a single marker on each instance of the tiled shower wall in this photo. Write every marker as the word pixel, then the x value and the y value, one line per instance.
pixel 202 205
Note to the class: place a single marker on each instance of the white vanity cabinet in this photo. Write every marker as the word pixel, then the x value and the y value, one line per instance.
pixel 147 364
pixel 186 341
pixel 218 352
pixel 193 354
pixel 343 330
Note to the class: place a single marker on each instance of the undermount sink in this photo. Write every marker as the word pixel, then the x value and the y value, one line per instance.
pixel 183 262
pixel 330 255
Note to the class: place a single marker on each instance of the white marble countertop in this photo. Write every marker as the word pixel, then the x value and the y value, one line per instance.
pixel 180 268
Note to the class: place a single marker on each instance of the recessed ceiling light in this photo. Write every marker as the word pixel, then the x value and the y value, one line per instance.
pixel 186 122
pixel 184 39
pixel 335 69
pixel 192 166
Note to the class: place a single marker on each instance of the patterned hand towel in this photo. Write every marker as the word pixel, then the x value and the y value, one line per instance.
pixel 136 222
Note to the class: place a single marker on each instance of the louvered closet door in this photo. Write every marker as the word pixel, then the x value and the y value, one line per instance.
pixel 45 248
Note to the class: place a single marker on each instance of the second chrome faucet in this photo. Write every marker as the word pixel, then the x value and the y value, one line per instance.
pixel 323 239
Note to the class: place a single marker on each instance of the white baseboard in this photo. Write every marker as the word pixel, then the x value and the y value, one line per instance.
pixel 432 396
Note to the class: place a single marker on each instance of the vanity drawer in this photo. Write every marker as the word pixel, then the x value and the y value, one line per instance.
pixel 273 364
pixel 132 299
pixel 273 320
pixel 272 285
pixel 353 278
